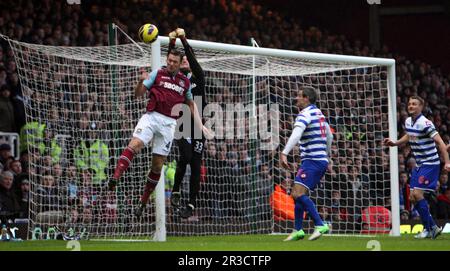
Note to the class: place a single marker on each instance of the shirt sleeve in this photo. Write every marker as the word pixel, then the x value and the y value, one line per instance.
pixel 294 139
pixel 429 129
pixel 329 138
pixel 148 83
pixel 302 120
pixel 188 94
pixel 196 69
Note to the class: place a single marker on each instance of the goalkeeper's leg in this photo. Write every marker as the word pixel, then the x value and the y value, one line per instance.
pixel 185 149
pixel 194 182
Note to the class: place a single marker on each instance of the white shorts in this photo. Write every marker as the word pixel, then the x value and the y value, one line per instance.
pixel 160 128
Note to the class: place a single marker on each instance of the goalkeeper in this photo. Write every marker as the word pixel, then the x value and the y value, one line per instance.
pixel 191 149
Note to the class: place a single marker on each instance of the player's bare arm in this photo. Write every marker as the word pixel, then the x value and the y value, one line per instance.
pixel 140 89
pixel 195 114
pixel 390 143
pixel 442 151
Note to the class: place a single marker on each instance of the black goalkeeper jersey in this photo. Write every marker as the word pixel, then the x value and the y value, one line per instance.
pixel 196 77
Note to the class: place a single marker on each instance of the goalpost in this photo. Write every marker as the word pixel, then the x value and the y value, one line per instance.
pixel 84 96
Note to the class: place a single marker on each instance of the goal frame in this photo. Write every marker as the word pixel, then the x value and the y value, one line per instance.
pixel 160 234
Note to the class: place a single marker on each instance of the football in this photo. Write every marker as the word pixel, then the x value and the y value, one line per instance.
pixel 148 33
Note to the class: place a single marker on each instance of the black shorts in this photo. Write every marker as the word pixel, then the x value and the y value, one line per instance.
pixel 191 149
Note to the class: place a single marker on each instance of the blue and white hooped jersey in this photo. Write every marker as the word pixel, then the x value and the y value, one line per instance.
pixel 421 132
pixel 313 143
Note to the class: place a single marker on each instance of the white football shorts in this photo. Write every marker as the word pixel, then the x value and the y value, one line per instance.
pixel 160 128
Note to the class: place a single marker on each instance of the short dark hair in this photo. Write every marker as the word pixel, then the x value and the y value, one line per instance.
pixel 416 97
pixel 176 52
pixel 309 92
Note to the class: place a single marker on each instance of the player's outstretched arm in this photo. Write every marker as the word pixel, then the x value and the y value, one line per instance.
pixel 442 151
pixel 196 69
pixel 388 142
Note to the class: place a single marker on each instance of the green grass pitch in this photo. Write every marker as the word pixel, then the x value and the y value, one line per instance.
pixel 242 243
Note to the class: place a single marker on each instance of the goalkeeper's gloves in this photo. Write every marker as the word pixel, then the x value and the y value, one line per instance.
pixel 173 35
pixel 180 32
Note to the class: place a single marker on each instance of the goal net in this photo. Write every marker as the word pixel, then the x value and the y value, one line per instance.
pixel 83 100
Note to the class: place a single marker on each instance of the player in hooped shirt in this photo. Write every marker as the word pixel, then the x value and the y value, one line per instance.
pixel 423 139
pixel 314 135
pixel 167 89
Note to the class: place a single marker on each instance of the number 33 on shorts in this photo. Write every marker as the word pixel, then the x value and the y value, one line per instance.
pixel 198 146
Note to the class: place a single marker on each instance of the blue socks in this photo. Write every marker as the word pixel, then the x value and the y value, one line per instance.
pixel 305 203
pixel 424 212
pixel 298 211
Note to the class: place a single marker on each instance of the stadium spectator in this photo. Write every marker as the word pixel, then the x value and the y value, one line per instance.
pixel 15 167
pixel 8 161
pixel 9 205
pixel 48 202
pixel 443 183
pixel 81 155
pixel 98 158
pixel 88 197
pixel 24 160
pixel 72 182
pixel 214 179
pixel 404 214
pixel 5 153
pixel 24 196
pixel 264 187
pixel 338 210
pixel 404 192
pixel 443 205
pixel 325 214
pixel 7 120
pixel 287 182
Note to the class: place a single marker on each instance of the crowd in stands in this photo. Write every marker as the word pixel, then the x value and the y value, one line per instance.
pixel 359 161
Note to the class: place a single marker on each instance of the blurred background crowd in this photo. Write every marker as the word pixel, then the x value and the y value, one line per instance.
pixel 361 165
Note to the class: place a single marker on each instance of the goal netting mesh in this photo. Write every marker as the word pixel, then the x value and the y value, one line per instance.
pixel 83 97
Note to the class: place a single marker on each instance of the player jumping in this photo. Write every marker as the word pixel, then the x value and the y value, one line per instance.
pixel 423 138
pixel 191 148
pixel 315 138
pixel 167 88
